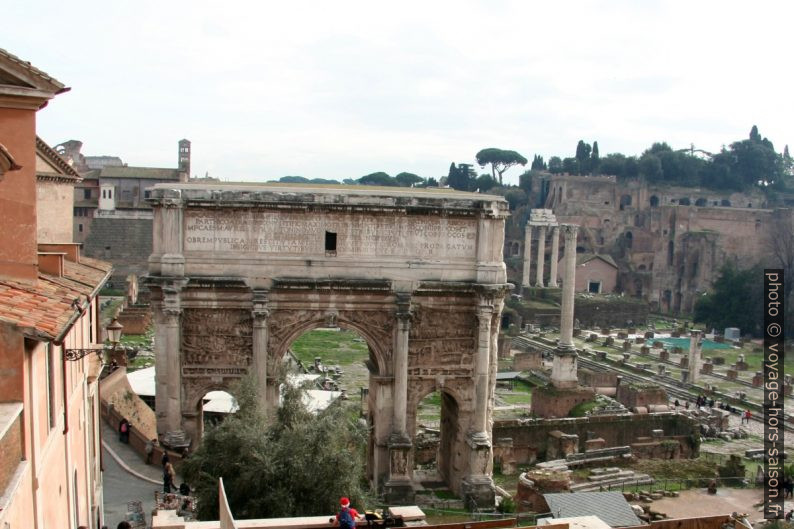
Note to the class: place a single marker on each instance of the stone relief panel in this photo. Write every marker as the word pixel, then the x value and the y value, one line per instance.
pixel 216 342
pixel 442 343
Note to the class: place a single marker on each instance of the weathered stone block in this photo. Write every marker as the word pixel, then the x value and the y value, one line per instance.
pixel 664 355
pixel 645 350
pixel 758 379
pixel 718 360
pixel 732 374
pixel 707 369
pixel 649 335
pixel 609 341
pixel 627 345
pixel 684 362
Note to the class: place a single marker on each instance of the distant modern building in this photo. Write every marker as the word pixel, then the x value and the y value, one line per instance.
pixel 50 471
pixel 111 217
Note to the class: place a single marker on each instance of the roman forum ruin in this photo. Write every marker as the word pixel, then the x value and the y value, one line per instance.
pixel 239 272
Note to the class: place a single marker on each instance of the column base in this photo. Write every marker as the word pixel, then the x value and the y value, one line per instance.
pixel 399 492
pixel 478 492
pixel 564 368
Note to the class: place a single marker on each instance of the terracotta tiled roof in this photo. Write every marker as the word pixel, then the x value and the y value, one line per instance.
pixel 43 310
pixel 154 173
pixel 49 154
pixel 36 77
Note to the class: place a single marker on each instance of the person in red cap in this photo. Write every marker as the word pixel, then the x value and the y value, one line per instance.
pixel 347 516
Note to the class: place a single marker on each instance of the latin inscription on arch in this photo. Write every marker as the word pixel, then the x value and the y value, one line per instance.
pixel 262 232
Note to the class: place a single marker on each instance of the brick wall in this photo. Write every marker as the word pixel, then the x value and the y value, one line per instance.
pixel 127 243
pixel 10 453
pixel 532 437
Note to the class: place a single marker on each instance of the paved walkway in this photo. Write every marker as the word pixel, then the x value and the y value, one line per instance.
pixel 126 478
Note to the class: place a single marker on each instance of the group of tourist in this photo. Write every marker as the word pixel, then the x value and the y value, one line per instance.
pixel 702 401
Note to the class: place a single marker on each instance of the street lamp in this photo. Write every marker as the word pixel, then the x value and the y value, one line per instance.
pixel 114 336
pixel 114 332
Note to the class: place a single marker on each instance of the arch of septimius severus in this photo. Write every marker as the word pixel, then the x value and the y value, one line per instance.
pixel 238 272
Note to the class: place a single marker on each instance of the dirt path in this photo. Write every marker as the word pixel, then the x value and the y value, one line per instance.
pixel 698 502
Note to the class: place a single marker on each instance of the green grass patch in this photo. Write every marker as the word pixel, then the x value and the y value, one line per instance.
pixel 517 399
pixel 140 362
pixel 139 340
pixel 581 409
pixel 340 347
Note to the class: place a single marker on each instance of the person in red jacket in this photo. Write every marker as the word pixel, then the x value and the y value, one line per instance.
pixel 347 516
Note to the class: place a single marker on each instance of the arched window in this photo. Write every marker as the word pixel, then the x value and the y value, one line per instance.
pixel 654 201
pixel 684 201
pixel 670 252
pixel 625 201
pixel 725 203
pixel 700 202
pixel 629 239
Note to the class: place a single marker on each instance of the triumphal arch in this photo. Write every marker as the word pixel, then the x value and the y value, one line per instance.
pixel 238 272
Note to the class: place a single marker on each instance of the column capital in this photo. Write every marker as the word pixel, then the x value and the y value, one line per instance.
pixel 260 310
pixel 172 312
pixel 569 231
pixel 404 313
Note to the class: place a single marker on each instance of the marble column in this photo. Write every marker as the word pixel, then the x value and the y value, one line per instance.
pixel 541 257
pixel 174 375
pixel 694 357
pixel 555 255
pixel 398 487
pixel 401 373
pixel 481 365
pixel 527 255
pixel 260 314
pixel 477 486
pixel 563 372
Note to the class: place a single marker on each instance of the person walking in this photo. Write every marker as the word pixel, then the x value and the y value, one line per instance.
pixel 169 475
pixel 124 431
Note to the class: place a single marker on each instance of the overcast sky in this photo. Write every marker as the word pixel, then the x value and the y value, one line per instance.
pixel 343 89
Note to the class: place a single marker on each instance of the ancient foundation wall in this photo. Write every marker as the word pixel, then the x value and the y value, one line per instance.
pixel 531 437
pixel 125 242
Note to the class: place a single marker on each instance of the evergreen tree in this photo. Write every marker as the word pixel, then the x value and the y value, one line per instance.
pixel 594 158
pixel 272 471
pixel 583 157
pixel 537 163
pixel 555 165
pixel 735 301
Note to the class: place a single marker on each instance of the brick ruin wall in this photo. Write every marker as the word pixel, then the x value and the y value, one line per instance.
pixel 668 252
pixel 127 243
pixel 531 438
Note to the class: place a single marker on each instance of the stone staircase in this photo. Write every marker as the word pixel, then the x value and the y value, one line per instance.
pixel 604 478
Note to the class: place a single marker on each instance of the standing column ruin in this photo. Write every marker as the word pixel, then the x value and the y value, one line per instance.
pixel 541 256
pixel 555 255
pixel 694 357
pixel 563 373
pixel 527 255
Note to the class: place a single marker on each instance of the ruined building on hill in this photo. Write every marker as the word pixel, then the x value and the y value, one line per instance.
pixel 668 242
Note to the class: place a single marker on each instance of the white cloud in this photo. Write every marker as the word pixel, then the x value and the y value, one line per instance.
pixel 342 89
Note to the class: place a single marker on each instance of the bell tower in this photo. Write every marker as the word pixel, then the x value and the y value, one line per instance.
pixel 184 160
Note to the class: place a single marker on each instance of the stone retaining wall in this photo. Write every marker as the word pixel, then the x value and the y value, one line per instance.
pixel 531 437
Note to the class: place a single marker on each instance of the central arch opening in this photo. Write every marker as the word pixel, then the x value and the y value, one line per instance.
pixel 334 364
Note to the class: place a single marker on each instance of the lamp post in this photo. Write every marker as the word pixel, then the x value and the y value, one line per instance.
pixel 114 329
